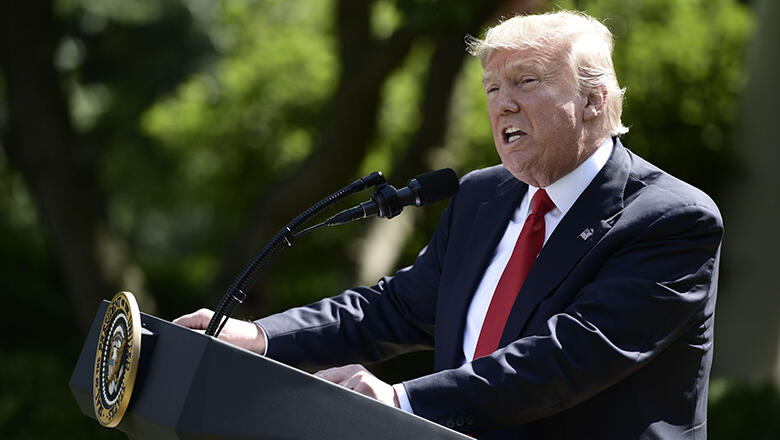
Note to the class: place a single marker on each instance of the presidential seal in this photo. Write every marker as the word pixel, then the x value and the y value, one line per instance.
pixel 116 360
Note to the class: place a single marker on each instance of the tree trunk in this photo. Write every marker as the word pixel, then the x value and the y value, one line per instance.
pixel 40 142
pixel 747 328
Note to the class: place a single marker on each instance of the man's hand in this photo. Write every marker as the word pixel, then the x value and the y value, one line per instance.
pixel 357 378
pixel 244 334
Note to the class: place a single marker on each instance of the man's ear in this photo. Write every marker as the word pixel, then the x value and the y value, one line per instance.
pixel 595 104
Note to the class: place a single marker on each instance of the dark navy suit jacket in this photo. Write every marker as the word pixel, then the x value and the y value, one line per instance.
pixel 610 335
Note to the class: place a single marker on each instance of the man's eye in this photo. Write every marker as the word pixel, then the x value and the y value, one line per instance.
pixel 492 89
pixel 528 80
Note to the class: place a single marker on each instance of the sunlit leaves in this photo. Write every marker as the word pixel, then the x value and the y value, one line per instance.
pixel 253 108
pixel 399 114
pixel 385 18
pixel 470 140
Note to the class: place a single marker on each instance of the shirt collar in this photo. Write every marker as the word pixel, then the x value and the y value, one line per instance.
pixel 566 190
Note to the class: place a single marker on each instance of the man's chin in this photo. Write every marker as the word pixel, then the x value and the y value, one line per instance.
pixel 519 173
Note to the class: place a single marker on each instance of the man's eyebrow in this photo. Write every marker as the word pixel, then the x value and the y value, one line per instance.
pixel 487 77
pixel 524 65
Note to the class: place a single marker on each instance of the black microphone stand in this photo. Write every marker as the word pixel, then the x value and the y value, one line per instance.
pixel 236 293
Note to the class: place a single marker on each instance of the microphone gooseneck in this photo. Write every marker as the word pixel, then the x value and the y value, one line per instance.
pixel 236 293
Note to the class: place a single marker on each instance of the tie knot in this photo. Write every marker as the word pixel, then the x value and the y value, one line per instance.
pixel 541 203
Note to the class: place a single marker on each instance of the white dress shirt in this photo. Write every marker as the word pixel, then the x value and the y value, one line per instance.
pixel 563 192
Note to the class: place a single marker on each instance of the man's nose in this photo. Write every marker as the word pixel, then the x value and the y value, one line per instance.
pixel 507 103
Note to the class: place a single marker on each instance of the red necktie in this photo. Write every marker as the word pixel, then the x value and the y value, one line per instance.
pixel 528 246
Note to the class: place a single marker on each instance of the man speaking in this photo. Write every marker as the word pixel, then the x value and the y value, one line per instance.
pixel 568 293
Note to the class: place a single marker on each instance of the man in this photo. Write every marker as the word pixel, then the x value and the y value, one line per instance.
pixel 568 293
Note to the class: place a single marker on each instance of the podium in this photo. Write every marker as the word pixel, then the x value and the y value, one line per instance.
pixel 192 386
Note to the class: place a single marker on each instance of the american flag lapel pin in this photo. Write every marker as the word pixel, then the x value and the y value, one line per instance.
pixel 585 234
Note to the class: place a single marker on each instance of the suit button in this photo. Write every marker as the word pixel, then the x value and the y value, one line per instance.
pixel 469 420
pixel 450 423
pixel 459 421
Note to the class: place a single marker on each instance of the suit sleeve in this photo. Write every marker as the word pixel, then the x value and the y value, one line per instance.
pixel 365 324
pixel 657 286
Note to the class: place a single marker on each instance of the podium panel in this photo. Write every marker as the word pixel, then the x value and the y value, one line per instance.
pixel 192 386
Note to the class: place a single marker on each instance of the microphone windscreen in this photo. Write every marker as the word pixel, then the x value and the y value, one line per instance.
pixel 437 185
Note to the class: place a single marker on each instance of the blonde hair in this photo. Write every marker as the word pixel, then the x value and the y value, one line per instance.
pixel 579 42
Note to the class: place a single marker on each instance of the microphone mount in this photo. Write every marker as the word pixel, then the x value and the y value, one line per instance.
pixel 387 201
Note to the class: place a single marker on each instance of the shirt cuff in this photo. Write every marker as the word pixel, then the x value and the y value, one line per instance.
pixel 403 399
pixel 265 337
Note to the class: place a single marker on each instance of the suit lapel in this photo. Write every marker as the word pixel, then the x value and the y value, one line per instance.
pixel 486 231
pixel 591 216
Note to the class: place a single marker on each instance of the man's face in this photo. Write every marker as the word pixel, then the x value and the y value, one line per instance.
pixel 536 116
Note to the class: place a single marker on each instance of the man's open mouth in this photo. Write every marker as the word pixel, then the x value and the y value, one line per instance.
pixel 512 134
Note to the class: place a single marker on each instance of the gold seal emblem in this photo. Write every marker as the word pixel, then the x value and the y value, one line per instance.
pixel 116 360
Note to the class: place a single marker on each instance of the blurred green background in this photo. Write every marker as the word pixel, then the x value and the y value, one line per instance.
pixel 156 145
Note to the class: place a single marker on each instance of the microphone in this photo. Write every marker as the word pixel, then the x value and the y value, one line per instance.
pixel 387 202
